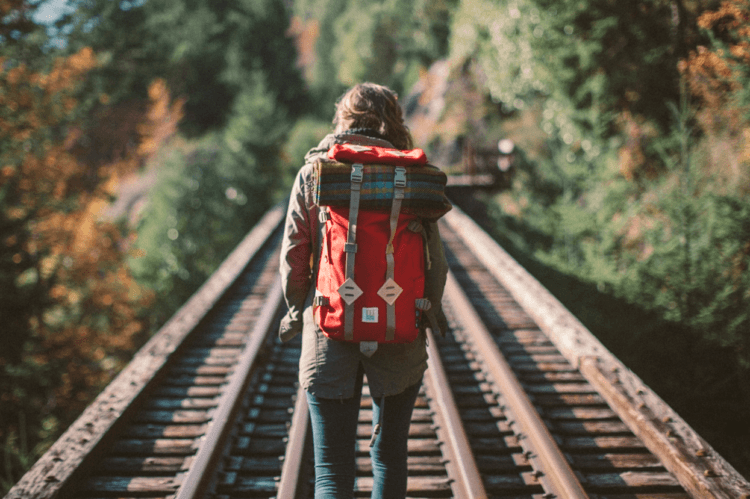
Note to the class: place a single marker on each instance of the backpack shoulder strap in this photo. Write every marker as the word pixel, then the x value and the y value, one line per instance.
pixel 390 290
pixel 349 290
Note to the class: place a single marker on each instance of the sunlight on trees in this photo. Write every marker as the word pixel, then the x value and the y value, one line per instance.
pixel 70 307
pixel 631 120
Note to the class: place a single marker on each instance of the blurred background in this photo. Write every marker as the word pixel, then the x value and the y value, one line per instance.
pixel 141 139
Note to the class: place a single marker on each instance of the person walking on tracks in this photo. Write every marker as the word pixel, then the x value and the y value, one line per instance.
pixel 363 272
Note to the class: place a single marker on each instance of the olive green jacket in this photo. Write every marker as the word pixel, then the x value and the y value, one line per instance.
pixel 328 367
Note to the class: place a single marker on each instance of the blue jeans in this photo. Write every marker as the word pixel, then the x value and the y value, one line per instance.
pixel 334 428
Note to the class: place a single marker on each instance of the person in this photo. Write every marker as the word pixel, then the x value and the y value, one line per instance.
pixel 330 371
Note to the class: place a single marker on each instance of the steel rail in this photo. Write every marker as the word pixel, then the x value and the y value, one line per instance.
pixel 195 480
pixel 57 472
pixel 696 464
pixel 467 482
pixel 558 477
pixel 295 450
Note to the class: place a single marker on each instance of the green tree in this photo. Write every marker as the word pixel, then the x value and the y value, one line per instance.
pixel 205 51
pixel 209 193
pixel 68 304
pixel 622 189
pixel 205 200
pixel 233 66
pixel 387 42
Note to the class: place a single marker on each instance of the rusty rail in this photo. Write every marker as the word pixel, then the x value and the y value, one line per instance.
pixel 468 481
pixel 692 460
pixel 701 471
pixel 291 472
pixel 195 481
pixel 558 478
pixel 77 448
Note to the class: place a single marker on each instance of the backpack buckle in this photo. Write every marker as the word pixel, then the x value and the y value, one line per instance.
pixel 400 178
pixel 323 216
pixel 357 174
pixel 422 304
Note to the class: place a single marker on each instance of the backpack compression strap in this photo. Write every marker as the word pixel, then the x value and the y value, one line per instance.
pixel 390 291
pixel 349 290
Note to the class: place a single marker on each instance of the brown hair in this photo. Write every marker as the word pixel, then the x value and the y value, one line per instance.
pixel 373 107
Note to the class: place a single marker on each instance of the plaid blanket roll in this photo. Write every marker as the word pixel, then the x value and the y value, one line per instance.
pixel 424 194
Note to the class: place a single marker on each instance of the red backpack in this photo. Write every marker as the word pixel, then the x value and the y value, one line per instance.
pixel 370 282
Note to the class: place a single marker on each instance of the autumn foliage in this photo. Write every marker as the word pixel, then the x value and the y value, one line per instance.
pixel 85 114
pixel 716 73
pixel 718 77
pixel 70 307
pixel 631 121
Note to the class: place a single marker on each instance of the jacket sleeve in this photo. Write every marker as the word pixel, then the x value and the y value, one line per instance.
pixel 295 265
pixel 435 278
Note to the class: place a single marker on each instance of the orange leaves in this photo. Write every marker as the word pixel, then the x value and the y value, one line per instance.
pixel 33 100
pixel 42 170
pixel 741 51
pixel 83 61
pixel 15 75
pixel 715 75
pixel 86 305
pixel 731 20
pixel 161 121
pixel 78 307
pixel 717 78
pixel 709 76
pixel 68 72
pixel 94 318
pixel 305 34
pixel 732 15
pixel 37 104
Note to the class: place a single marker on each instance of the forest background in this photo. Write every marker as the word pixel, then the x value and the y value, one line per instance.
pixel 141 139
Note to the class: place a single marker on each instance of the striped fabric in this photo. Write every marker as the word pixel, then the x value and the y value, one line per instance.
pixel 424 194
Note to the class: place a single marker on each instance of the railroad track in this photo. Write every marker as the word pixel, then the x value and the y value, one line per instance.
pixel 519 401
